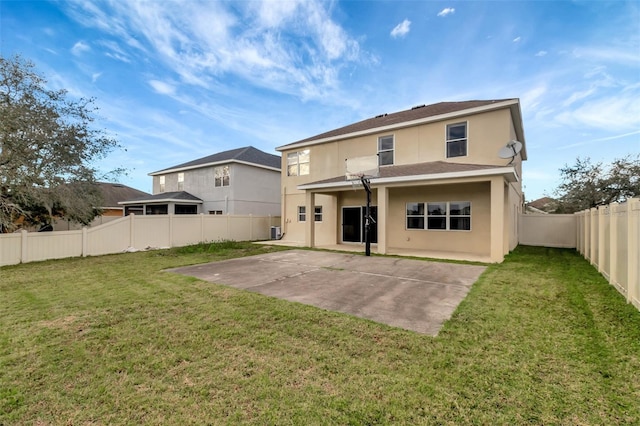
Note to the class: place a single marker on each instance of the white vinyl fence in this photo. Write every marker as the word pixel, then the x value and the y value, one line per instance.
pixel 609 237
pixel 547 230
pixel 133 233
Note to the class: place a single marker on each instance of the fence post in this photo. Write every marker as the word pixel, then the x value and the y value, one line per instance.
pixel 633 248
pixel 593 234
pixel 250 226
pixel 85 243
pixel 23 246
pixel 202 227
pixel 132 230
pixel 171 230
pixel 613 242
pixel 602 211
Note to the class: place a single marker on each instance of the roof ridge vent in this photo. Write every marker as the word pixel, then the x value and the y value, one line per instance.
pixel 419 106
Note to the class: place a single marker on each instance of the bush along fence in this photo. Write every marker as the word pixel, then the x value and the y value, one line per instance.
pixel 609 237
pixel 132 233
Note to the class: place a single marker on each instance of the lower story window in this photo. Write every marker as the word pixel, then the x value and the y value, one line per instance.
pixel 302 213
pixel 215 212
pixel 447 216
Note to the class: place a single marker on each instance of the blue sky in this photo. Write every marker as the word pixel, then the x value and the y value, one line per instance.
pixel 179 80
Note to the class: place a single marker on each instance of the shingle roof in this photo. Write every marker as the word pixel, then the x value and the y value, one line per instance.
pixel 177 196
pixel 247 154
pixel 112 193
pixel 412 114
pixel 418 169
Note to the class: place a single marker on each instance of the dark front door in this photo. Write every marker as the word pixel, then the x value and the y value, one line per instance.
pixel 353 224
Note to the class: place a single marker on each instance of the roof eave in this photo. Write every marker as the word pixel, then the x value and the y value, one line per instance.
pixel 511 103
pixel 162 200
pixel 215 163
pixel 508 172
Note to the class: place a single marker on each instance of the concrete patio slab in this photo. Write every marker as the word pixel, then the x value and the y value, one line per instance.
pixel 410 294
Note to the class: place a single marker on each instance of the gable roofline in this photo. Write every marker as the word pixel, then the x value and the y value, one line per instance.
pixel 215 163
pixel 247 155
pixel 376 125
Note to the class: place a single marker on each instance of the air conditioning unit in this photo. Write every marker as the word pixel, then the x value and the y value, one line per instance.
pixel 276 234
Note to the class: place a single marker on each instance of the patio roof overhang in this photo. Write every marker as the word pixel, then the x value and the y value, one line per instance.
pixel 411 174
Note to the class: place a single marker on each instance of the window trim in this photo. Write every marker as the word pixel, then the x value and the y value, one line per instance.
pixel 447 216
pixel 302 213
pixel 162 183
pixel 181 181
pixel 297 163
pixel 221 178
pixel 465 139
pixel 392 150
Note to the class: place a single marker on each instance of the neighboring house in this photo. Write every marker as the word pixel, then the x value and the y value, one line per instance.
pixel 240 181
pixel 442 190
pixel 542 205
pixel 112 195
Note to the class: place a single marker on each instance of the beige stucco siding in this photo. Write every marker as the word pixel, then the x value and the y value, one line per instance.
pixel 475 241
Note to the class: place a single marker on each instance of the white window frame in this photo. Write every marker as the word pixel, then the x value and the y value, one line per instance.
pixel 387 150
pixel 456 140
pixel 296 161
pixel 161 183
pixel 180 181
pixel 222 176
pixel 447 216
pixel 302 213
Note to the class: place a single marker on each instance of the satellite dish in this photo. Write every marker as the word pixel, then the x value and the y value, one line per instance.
pixel 510 150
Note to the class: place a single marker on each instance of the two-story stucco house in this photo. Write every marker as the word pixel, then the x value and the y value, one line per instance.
pixel 442 188
pixel 239 181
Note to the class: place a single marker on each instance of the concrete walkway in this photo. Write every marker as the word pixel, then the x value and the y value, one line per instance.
pixel 411 294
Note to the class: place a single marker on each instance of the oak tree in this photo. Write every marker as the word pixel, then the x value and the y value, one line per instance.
pixel 585 185
pixel 48 150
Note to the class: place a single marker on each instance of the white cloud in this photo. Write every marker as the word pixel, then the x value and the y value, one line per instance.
pixel 605 139
pixel 447 11
pixel 95 76
pixel 401 29
pixel 517 39
pixel 162 87
pixel 541 53
pixel 620 112
pixel 292 47
pixel 79 48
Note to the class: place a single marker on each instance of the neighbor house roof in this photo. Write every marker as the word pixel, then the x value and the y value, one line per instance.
pixel 246 155
pixel 417 115
pixel 178 196
pixel 113 193
pixel 420 171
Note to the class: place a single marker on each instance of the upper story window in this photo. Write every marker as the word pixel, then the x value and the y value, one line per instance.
pixel 221 175
pixel 161 181
pixel 180 181
pixel 385 150
pixel 298 163
pixel 456 140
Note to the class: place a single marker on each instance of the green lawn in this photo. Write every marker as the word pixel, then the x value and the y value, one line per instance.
pixel 540 339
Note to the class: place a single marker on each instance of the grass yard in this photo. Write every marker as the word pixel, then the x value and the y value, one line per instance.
pixel 540 339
